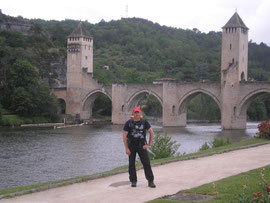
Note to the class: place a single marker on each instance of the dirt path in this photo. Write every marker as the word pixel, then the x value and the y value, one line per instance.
pixel 169 178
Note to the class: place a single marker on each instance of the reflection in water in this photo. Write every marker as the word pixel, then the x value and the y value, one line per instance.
pixel 31 155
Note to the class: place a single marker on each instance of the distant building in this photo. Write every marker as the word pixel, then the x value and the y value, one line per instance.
pixel 106 67
pixel 161 80
pixel 1 11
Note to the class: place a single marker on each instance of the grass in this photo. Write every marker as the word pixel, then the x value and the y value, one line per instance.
pixel 245 142
pixel 228 189
pixel 15 120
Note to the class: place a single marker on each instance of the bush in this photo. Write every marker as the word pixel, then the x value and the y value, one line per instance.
pixel 0 114
pixel 205 146
pixel 220 142
pixel 163 147
pixel 11 120
pixel 215 143
pixel 264 130
pixel 262 196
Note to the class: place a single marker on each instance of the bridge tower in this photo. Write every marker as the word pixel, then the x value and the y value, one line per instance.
pixel 234 69
pixel 79 62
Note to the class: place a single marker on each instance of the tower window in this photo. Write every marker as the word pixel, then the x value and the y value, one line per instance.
pixel 86 57
pixel 233 61
pixel 230 46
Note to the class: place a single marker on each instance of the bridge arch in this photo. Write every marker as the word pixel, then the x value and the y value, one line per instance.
pixel 88 101
pixel 243 105
pixel 62 104
pixel 137 96
pixel 184 101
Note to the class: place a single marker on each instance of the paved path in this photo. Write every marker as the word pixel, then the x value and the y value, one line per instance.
pixel 169 178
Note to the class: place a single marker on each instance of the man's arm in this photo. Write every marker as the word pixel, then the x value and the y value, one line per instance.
pixel 151 137
pixel 125 142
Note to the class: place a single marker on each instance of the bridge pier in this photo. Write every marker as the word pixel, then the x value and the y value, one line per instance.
pixel 170 114
pixel 231 120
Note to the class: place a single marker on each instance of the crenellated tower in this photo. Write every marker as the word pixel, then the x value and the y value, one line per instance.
pixel 79 62
pixel 235 48
pixel 234 69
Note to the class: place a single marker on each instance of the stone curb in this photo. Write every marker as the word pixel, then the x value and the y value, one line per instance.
pixel 92 177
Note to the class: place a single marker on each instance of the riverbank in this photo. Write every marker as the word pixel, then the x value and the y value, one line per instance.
pixel 244 144
pixel 15 120
pixel 169 178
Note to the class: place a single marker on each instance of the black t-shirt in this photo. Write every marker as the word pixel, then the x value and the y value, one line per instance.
pixel 137 131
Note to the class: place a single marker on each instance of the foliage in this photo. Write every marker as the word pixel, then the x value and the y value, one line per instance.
pixel 25 95
pixel 264 130
pixel 14 120
pixel 215 143
pixel 203 107
pixel 205 146
pixel 220 142
pixel 0 114
pixel 261 196
pixel 152 106
pixel 102 106
pixel 137 51
pixel 163 147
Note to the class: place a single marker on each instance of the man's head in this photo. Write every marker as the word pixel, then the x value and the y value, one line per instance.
pixel 137 113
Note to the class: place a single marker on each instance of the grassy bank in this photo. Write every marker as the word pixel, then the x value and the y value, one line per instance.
pixel 44 186
pixel 229 189
pixel 15 120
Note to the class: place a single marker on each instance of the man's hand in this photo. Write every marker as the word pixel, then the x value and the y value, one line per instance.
pixel 128 151
pixel 146 146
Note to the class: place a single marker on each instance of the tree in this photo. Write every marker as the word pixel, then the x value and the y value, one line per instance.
pixel 29 96
pixel 0 114
pixel 163 147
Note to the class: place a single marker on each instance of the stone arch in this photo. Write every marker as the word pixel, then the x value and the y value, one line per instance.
pixel 88 101
pixel 242 76
pixel 243 105
pixel 62 104
pixel 137 96
pixel 183 102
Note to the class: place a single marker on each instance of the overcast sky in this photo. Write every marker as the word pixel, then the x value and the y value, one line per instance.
pixel 205 15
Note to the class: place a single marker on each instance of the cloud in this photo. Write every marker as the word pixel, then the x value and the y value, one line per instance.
pixel 206 15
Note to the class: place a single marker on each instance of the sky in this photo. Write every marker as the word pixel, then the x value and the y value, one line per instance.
pixel 205 15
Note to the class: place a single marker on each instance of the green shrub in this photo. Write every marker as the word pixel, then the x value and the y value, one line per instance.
pixel 0 114
pixel 163 147
pixel 215 143
pixel 220 142
pixel 11 120
pixel 205 146
pixel 39 120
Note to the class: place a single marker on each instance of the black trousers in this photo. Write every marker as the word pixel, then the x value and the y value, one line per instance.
pixel 145 161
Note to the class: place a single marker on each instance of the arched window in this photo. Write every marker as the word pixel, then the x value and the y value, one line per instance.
pixel 243 76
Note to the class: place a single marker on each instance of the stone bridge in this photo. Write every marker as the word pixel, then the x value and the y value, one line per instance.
pixel 232 94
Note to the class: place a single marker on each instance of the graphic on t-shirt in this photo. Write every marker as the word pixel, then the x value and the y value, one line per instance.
pixel 138 132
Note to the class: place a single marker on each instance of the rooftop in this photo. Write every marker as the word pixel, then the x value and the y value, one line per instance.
pixel 235 21
pixel 79 31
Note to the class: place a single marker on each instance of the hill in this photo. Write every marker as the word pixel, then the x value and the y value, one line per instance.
pixel 136 50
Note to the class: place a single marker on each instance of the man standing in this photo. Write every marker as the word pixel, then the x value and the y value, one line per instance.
pixel 134 138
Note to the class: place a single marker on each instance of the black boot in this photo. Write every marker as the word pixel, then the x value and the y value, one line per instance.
pixel 151 184
pixel 133 184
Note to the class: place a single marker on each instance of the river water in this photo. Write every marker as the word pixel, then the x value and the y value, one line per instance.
pixel 36 155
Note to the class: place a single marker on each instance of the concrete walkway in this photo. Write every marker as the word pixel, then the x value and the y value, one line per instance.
pixel 169 178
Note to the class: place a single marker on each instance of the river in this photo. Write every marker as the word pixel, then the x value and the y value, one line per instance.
pixel 36 155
